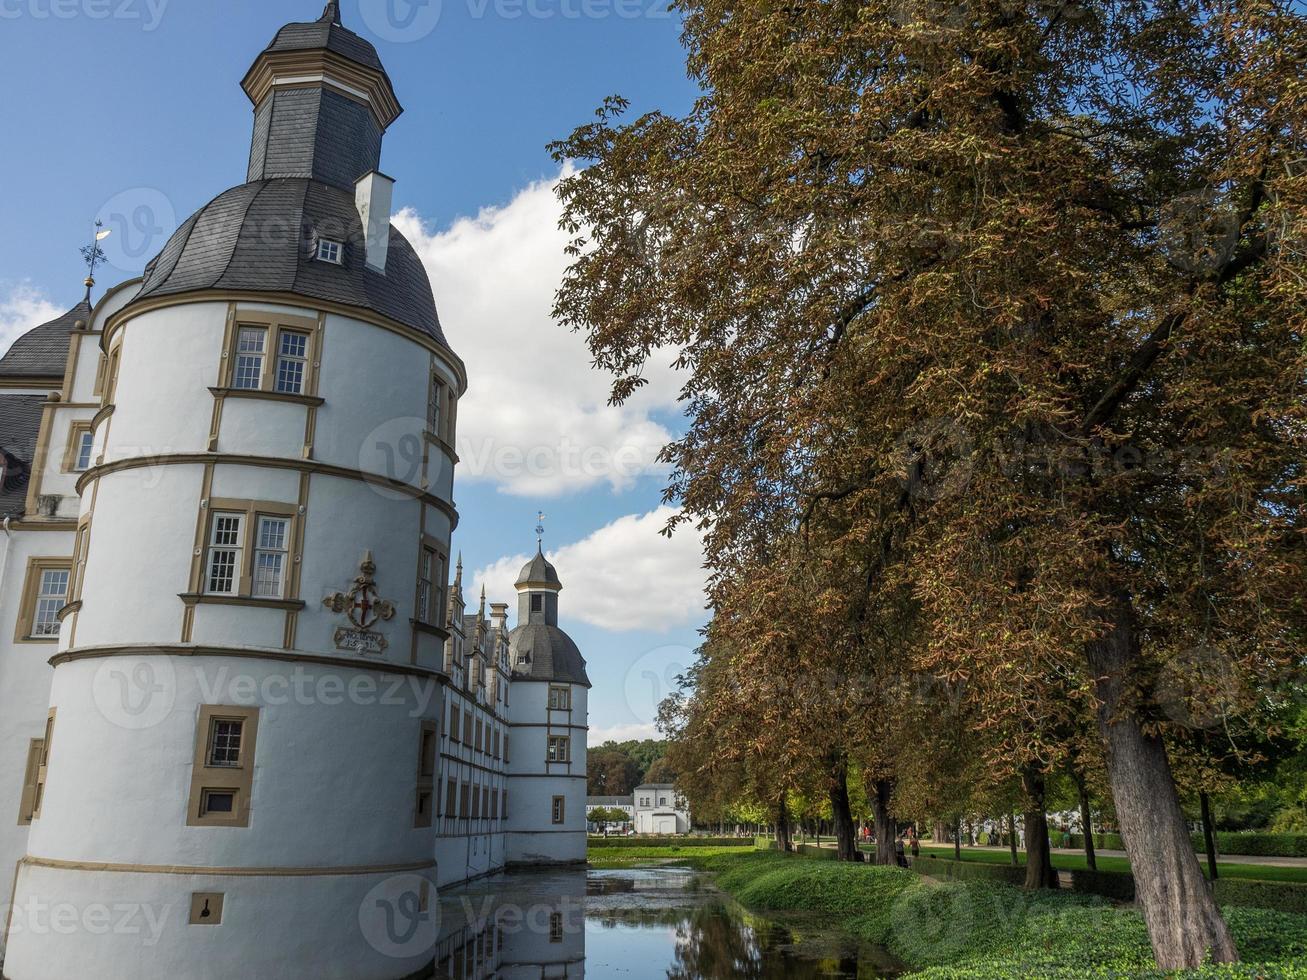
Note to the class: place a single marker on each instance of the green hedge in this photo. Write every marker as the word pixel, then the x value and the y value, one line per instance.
pixel 968 870
pixel 1282 896
pixel 670 842
pixel 812 850
pixel 1245 843
pixel 1119 885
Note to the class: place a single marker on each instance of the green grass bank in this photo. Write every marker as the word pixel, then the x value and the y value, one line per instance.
pixel 987 930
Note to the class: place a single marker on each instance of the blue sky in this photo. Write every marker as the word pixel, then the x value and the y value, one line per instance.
pixel 131 110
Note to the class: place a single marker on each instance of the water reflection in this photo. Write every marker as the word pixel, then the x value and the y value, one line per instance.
pixel 642 924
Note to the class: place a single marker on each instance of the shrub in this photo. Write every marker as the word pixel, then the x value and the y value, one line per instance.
pixel 1257 844
pixel 595 842
pixel 1118 885
pixel 1281 896
pixel 1228 843
pixel 968 870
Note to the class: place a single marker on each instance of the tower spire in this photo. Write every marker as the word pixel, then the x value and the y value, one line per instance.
pixel 331 14
pixel 540 531
pixel 94 255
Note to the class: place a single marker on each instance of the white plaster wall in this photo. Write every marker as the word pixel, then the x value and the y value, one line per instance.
pixel 136 925
pixel 334 778
pixel 262 427
pixel 372 420
pixel 532 836
pixel 169 359
pixel 139 560
pixel 25 677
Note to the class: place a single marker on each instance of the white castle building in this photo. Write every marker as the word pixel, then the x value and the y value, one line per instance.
pixel 248 730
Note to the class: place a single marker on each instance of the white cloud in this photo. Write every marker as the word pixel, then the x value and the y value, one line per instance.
pixel 620 733
pixel 22 309
pixel 535 420
pixel 624 576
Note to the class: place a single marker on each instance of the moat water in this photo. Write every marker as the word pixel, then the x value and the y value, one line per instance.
pixel 636 924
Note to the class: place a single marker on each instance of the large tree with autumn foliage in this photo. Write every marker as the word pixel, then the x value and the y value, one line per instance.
pixel 1008 297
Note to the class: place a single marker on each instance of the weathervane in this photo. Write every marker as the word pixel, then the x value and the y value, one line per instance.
pixel 540 529
pixel 94 254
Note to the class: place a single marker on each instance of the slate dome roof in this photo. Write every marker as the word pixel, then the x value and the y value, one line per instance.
pixel 263 236
pixel 326 33
pixel 538 571
pixel 541 652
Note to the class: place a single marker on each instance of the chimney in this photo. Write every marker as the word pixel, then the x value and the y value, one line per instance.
pixel 372 197
pixel 499 615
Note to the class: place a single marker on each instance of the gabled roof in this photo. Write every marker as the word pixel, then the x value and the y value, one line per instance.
pixel 42 352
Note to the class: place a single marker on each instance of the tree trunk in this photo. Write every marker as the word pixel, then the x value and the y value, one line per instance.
pixel 1040 872
pixel 939 834
pixel 1184 924
pixel 957 838
pixel 1086 821
pixel 846 845
pixel 783 826
pixel 1209 838
pixel 887 830
pixel 1012 837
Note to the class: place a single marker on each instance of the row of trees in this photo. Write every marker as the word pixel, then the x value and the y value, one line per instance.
pixel 991 318
pixel 617 768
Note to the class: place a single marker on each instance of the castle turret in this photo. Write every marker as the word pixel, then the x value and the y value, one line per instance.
pixel 548 725
pixel 245 707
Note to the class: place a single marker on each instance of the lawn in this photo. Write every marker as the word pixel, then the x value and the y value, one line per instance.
pixel 626 857
pixel 983 930
pixel 1072 862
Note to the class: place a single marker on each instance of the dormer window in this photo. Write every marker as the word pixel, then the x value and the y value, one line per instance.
pixel 329 251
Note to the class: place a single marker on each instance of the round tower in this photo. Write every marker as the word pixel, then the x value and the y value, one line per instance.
pixel 548 725
pixel 245 705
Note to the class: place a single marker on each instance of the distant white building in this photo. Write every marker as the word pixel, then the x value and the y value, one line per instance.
pixel 624 803
pixel 659 809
